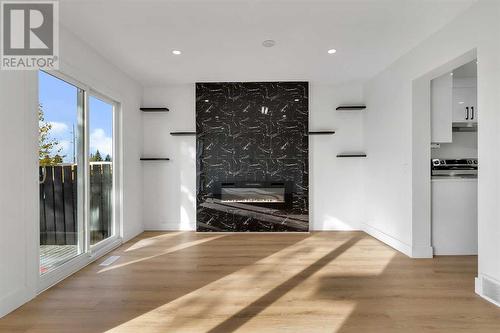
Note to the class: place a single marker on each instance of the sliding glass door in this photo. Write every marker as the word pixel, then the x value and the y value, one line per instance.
pixel 60 113
pixel 101 115
pixel 76 167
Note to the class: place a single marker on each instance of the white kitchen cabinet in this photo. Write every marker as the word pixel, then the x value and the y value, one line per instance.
pixel 464 105
pixel 454 216
pixel 465 100
pixel 441 108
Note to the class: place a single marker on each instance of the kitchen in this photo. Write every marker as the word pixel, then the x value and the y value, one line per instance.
pixel 454 163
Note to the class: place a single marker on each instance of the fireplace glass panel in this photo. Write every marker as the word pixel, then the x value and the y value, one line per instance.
pixel 253 194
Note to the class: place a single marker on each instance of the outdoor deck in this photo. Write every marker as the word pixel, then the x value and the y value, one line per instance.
pixel 54 255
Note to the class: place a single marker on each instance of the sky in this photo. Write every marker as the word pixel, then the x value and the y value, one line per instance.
pixel 59 103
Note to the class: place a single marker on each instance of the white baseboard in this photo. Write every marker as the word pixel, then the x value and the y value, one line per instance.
pixel 478 288
pixel 491 291
pixel 422 252
pixel 333 228
pixel 171 228
pixel 14 299
pixel 133 234
pixel 410 251
pixel 387 239
pixel 168 227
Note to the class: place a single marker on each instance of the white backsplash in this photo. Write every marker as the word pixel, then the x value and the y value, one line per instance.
pixel 464 145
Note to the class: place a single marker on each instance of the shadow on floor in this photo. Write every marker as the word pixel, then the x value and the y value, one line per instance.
pixel 414 295
pixel 149 277
pixel 252 310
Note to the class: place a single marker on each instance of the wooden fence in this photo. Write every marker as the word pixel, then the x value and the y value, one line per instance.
pixel 58 203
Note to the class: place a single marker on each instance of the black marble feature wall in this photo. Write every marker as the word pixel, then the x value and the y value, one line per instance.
pixel 252 156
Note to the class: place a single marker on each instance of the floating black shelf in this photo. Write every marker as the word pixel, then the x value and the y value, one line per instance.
pixel 155 159
pixel 351 155
pixel 182 133
pixel 350 107
pixel 155 109
pixel 321 132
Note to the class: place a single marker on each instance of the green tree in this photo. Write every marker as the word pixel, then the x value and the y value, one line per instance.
pixel 96 157
pixel 57 159
pixel 48 148
pixel 108 158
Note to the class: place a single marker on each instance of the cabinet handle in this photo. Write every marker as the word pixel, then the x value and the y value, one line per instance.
pixel 466 113
pixel 472 113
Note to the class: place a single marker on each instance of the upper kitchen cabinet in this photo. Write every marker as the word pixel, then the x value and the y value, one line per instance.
pixel 454 102
pixel 441 108
pixel 465 99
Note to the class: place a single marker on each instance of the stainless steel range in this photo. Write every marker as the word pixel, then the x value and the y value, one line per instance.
pixel 462 167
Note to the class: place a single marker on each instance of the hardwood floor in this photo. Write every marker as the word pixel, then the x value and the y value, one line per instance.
pixel 318 282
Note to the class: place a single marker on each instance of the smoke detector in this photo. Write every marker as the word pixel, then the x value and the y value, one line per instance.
pixel 268 43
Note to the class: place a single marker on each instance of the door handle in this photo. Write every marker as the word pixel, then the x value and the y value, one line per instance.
pixel 466 113
pixel 472 113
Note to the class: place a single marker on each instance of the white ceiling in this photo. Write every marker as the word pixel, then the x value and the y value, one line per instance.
pixel 222 40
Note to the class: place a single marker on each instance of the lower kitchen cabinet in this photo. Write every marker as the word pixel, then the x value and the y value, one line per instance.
pixel 454 216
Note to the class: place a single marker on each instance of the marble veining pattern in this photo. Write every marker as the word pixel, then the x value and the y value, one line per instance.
pixel 253 131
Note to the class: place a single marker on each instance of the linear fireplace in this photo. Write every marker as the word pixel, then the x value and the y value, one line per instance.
pixel 253 194
pixel 256 193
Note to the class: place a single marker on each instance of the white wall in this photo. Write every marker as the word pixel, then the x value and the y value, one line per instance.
pixel 336 185
pixel 394 135
pixel 170 187
pixel 19 215
pixel 18 189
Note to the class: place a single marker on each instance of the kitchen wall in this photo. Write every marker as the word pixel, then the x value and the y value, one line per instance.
pixel 336 191
pixel 395 136
pixel 464 144
pixel 19 179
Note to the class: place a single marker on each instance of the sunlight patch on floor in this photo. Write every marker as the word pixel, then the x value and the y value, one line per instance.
pixel 167 251
pixel 310 321
pixel 248 294
pixel 151 241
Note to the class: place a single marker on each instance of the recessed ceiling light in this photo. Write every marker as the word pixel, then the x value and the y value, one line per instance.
pixel 451 73
pixel 176 52
pixel 269 43
pixel 296 100
pixel 332 51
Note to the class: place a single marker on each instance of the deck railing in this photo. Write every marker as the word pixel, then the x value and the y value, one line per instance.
pixel 58 203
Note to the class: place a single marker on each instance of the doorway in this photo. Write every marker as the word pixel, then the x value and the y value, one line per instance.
pixel 421 154
pixel 454 166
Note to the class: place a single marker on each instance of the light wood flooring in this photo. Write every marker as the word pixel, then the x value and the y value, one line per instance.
pixel 318 282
